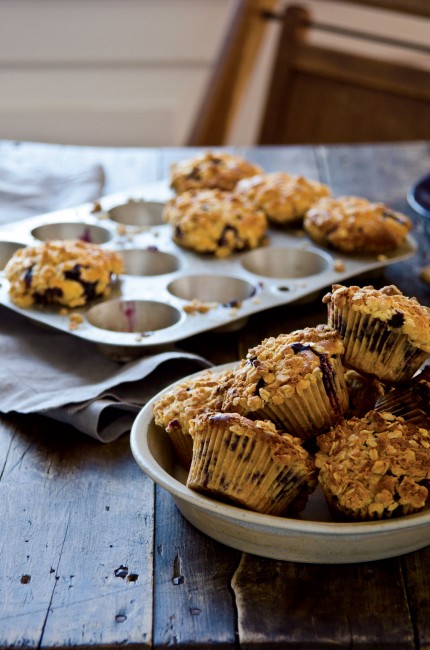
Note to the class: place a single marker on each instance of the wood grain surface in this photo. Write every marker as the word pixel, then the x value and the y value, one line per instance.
pixel 94 555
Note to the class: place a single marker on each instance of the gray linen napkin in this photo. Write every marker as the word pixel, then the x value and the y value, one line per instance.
pixel 70 380
pixel 27 188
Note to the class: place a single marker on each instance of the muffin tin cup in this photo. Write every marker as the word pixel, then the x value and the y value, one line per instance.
pixel 176 292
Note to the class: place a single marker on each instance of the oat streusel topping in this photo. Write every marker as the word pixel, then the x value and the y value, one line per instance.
pixel 399 313
pixel 280 367
pixel 375 465
pixel 64 272
pixel 283 197
pixel 174 408
pixel 211 170
pixel 354 224
pixel 212 221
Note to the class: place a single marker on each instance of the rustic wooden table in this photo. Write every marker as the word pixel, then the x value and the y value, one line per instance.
pixel 94 555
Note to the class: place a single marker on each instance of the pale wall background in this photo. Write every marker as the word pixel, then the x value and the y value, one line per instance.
pixel 131 72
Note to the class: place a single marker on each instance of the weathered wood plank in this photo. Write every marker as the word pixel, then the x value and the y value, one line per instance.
pixel 321 606
pixel 417 582
pixel 79 540
pixel 193 605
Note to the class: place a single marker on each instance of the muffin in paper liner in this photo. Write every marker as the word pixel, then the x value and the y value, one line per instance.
pixel 174 408
pixel 385 333
pixel 295 380
pixel 375 467
pixel 411 400
pixel 249 464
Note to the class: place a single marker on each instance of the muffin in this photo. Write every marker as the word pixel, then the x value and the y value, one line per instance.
pixel 70 273
pixel 295 380
pixel 211 170
pixel 363 393
pixel 283 197
pixel 386 334
pixel 355 225
pixel 375 467
pixel 216 222
pixel 411 400
pixel 249 464
pixel 174 409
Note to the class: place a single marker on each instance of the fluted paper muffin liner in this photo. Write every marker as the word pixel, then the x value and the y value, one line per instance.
pixel 317 407
pixel 372 347
pixel 410 401
pixel 240 469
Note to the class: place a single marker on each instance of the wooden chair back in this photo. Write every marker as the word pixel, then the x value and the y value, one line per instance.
pixel 320 94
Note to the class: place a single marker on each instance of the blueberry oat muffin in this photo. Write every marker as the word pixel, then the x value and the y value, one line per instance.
pixel 249 464
pixel 67 272
pixel 211 170
pixel 385 333
pixel 410 400
pixel 355 225
pixel 295 380
pixel 216 222
pixel 174 409
pixel 283 197
pixel 375 467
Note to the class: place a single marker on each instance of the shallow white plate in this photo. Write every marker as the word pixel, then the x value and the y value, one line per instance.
pixel 312 538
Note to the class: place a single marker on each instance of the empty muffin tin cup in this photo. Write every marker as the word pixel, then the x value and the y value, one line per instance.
pixel 134 316
pixel 285 262
pixel 138 213
pixel 225 290
pixel 148 261
pixel 7 249
pixel 72 230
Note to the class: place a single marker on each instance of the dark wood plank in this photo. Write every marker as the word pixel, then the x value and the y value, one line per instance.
pixel 417 583
pixel 77 549
pixel 321 606
pixel 193 603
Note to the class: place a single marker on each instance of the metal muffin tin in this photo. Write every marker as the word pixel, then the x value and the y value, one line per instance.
pixel 157 300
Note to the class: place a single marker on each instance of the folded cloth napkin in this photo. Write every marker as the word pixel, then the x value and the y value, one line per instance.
pixel 28 187
pixel 70 380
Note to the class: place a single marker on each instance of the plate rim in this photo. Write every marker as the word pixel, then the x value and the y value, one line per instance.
pixel 144 458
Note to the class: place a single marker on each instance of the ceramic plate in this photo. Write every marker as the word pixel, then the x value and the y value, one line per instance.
pixel 312 538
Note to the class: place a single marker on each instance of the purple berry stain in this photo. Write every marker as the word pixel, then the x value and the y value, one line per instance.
pixel 128 310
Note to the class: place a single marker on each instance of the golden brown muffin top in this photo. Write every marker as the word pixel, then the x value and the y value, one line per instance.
pixel 175 407
pixel 60 270
pixel 398 312
pixel 354 224
pixel 211 170
pixel 214 221
pixel 280 367
pixel 283 197
pixel 375 464
pixel 284 447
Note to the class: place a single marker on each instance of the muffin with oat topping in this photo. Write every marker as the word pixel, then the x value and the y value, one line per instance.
pixel 385 333
pixel 375 467
pixel 216 222
pixel 284 198
pixel 66 272
pixel 356 225
pixel 174 409
pixel 295 380
pixel 249 464
pixel 410 400
pixel 211 170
